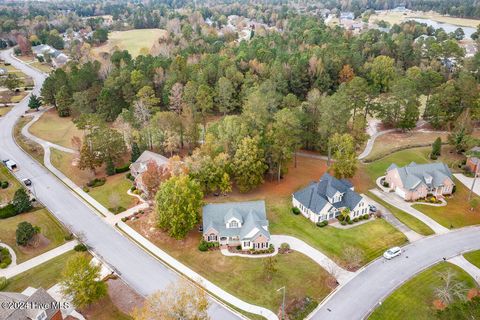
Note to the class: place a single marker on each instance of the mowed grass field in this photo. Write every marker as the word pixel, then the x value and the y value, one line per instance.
pixel 6 195
pixel 473 257
pixel 131 40
pixel 398 17
pixel 414 299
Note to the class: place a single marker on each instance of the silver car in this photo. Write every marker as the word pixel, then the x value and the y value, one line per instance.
pixel 392 253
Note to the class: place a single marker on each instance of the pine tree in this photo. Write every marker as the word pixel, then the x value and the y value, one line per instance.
pixel 34 102
pixel 135 153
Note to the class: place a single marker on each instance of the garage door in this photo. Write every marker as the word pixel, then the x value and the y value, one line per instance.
pixel 400 192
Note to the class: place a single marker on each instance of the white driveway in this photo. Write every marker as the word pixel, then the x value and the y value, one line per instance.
pixel 468 182
pixel 401 204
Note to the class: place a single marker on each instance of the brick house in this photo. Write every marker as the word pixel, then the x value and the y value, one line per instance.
pixel 327 198
pixel 232 224
pixel 140 166
pixel 472 161
pixel 417 181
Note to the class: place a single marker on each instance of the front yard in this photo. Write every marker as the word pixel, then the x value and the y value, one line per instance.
pixel 371 238
pixel 243 277
pixel 473 257
pixel 415 298
pixel 52 233
pixel 457 213
pixel 115 187
pixel 6 195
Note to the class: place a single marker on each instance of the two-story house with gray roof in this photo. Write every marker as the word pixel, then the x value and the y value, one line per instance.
pixel 417 181
pixel 327 198
pixel 237 223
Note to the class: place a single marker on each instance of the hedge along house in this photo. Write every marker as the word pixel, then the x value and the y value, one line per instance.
pixel 242 224
pixel 417 181
pixel 327 198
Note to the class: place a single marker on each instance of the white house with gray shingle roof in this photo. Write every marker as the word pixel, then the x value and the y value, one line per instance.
pixel 237 223
pixel 417 181
pixel 325 199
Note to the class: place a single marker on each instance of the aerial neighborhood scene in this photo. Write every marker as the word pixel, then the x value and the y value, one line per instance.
pixel 227 160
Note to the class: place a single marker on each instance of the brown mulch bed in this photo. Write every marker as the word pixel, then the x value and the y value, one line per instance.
pixel 124 297
pixel 37 243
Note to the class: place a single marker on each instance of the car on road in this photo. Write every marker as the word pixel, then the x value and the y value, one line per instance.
pixel 11 165
pixel 392 253
pixel 27 182
pixel 372 208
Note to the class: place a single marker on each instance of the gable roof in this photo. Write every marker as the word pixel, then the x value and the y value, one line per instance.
pixel 252 214
pixel 414 175
pixel 40 296
pixel 141 164
pixel 316 195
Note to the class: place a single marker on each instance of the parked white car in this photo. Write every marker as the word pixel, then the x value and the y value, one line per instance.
pixel 392 253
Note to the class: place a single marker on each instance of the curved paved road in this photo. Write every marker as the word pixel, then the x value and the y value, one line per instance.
pixel 361 295
pixel 140 270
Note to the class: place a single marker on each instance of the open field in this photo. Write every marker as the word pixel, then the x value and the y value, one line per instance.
pixel 398 17
pixel 457 213
pixel 414 299
pixel 132 40
pixel 52 128
pixel 371 238
pixel 407 219
pixel 32 148
pixel 473 257
pixel 119 185
pixel 6 195
pixel 395 141
pixel 52 233
pixel 44 276
pixel 243 277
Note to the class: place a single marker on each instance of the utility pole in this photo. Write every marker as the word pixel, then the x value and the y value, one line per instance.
pixel 283 302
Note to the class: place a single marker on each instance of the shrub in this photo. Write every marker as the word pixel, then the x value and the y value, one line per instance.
pixel 133 188
pixel 386 184
pixel 97 182
pixel 4 184
pixel 322 224
pixel 285 246
pixel 85 189
pixel 5 258
pixel 122 169
pixel 130 177
pixel 8 211
pixel 340 218
pixel 3 283
pixel 203 246
pixel 296 211
pixel 343 223
pixel 348 219
pixel 69 237
pixel 350 222
pixel 366 216
pixel 80 247
pixel 355 219
pixel 239 247
pixel 124 219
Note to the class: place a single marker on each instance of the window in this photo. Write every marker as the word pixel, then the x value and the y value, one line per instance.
pixel 246 244
pixel 234 224
pixel 212 237
pixel 42 315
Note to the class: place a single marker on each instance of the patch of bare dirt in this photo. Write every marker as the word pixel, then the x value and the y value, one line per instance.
pixel 38 242
pixel 124 297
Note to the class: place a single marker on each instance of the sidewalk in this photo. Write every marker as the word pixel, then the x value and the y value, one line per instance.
pixel 38 260
pixel 195 277
pixel 467 266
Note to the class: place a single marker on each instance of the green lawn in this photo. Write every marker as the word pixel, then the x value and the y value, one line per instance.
pixel 407 219
pixel 49 227
pixel 473 257
pixel 456 213
pixel 43 276
pixel 4 110
pixel 414 299
pixel 132 40
pixel 6 195
pixel 117 184
pixel 372 238
pixel 32 148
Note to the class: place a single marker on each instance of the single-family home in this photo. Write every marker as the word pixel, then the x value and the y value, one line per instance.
pixel 3 72
pixel 242 224
pixel 472 160
pixel 41 302
pixel 327 198
pixel 140 166
pixel 417 181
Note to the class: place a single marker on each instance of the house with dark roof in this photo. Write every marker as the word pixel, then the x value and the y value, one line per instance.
pixel 327 198
pixel 472 160
pixel 44 307
pixel 417 181
pixel 237 223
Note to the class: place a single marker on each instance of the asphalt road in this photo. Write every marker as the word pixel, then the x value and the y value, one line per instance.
pixel 362 294
pixel 136 267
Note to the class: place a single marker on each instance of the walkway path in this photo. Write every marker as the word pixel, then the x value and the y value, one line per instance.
pixel 38 260
pixel 468 182
pixel 371 142
pixel 467 266
pixel 396 201
pixel 390 218
pixel 325 262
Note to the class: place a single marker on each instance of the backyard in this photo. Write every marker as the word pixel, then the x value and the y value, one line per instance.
pixel 419 295
pixel 457 213
pixel 52 233
pixel 243 277
pixel 6 195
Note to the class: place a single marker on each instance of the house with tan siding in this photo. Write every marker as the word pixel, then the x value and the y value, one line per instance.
pixel 327 198
pixel 417 181
pixel 233 224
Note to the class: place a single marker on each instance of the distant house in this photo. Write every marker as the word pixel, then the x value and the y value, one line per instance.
pixel 347 15
pixel 417 181
pixel 472 161
pixel 325 199
pixel 140 166
pixel 40 298
pixel 58 58
pixel 3 72
pixel 237 223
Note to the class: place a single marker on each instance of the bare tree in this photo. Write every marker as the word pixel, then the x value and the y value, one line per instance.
pixel 451 289
pixel 353 257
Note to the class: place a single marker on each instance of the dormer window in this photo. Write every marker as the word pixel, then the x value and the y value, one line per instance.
pixel 234 224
